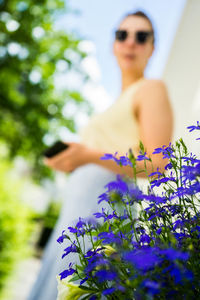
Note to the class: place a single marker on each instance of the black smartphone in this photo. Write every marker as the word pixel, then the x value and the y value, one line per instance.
pixel 55 149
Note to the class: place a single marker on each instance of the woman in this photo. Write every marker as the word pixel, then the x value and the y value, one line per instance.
pixel 142 112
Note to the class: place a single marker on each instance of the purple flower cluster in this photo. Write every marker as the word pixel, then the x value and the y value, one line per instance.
pixel 151 254
pixel 194 127
pixel 122 160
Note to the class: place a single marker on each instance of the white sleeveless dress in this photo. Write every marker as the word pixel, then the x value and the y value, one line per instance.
pixel 115 130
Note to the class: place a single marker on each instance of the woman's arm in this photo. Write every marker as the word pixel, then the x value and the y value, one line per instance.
pixel 155 117
pixel 154 114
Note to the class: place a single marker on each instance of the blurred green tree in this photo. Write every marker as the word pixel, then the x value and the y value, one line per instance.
pixel 16 220
pixel 32 54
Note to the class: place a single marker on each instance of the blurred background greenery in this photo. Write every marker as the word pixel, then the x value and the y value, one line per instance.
pixel 32 54
pixel 32 111
pixel 16 223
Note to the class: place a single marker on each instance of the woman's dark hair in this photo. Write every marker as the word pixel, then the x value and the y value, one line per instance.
pixel 141 14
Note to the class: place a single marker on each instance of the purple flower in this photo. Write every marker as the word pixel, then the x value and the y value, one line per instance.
pixel 78 231
pixel 141 157
pixel 166 151
pixel 175 209
pixel 176 274
pixel 179 274
pixel 106 216
pixel 70 249
pixel 83 280
pixel 145 238
pixel 62 237
pixel 158 182
pixel 156 173
pixel 158 231
pixel 95 261
pixel 159 150
pixel 103 235
pixel 111 216
pixel 93 297
pixel 191 172
pixel 191 159
pixel 181 191
pixel 72 230
pixel 124 216
pixel 99 215
pixel 121 288
pixel 178 224
pixel 152 286
pixel 80 223
pixel 168 166
pixel 155 212
pixel 135 192
pixel 118 185
pixel 109 237
pixel 108 291
pixel 109 156
pixel 104 275
pixel 92 252
pixel 196 228
pixel 122 160
pixel 188 275
pixel 67 273
pixel 193 127
pixel 103 197
pixel 143 259
pixel 155 199
pixel 173 254
pixel 179 236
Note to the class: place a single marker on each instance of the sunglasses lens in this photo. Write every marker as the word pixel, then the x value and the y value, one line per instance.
pixel 121 35
pixel 142 36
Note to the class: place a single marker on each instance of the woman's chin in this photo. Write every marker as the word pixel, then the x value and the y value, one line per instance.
pixel 130 68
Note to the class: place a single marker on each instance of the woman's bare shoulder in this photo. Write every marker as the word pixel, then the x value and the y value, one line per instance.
pixel 152 93
pixel 154 89
pixel 152 84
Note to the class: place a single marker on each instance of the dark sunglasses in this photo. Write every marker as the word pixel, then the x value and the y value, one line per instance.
pixel 141 36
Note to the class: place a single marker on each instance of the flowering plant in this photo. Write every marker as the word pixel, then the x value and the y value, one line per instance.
pixel 147 253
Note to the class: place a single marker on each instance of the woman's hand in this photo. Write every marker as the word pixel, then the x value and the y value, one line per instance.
pixel 68 160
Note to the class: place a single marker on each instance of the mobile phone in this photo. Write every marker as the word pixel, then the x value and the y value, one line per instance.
pixel 56 148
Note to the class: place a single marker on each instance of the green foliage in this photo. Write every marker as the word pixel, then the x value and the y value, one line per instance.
pixel 15 223
pixel 30 52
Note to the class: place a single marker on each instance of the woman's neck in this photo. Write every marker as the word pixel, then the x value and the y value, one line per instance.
pixel 128 79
